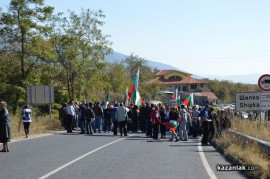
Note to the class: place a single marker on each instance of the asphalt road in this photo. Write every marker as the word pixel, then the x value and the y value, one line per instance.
pixel 103 156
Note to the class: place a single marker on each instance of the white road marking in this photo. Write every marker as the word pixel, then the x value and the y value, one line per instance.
pixel 205 163
pixel 79 158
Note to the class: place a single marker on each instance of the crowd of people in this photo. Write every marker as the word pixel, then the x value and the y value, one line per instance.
pixel 150 119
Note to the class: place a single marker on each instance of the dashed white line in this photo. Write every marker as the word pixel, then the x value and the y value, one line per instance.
pixel 79 158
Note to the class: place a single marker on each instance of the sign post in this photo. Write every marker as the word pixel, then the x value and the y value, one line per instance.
pixel 249 101
pixel 264 84
pixel 41 95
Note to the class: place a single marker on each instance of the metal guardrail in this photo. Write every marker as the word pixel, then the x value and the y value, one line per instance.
pixel 264 146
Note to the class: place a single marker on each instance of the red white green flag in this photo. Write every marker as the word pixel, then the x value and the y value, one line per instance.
pixel 189 100
pixel 172 125
pixel 134 87
pixel 139 100
pixel 178 100
pixel 175 94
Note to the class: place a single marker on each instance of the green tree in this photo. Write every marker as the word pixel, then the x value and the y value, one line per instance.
pixel 23 33
pixel 225 90
pixel 134 62
pixel 117 78
pixel 80 48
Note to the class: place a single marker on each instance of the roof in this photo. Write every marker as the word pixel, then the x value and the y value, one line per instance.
pixel 185 80
pixel 165 72
pixel 209 95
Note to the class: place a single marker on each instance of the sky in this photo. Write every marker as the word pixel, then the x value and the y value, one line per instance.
pixel 203 37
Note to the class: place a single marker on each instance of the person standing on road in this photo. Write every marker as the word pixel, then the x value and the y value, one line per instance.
pixel 121 117
pixel 98 110
pixel 164 118
pixel 149 132
pixel 184 118
pixel 89 116
pixel 82 119
pixel 114 121
pixel 26 119
pixel 142 118
pixel 135 119
pixel 4 126
pixel 173 115
pixel 71 113
pixel 63 115
pixel 155 115
pixel 195 121
pixel 205 125
pixel 107 119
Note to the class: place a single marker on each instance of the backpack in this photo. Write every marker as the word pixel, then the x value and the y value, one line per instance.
pixel 25 115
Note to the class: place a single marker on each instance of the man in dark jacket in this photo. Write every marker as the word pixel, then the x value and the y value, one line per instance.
pixel 107 119
pixel 135 118
pixel 98 117
pixel 90 116
pixel 82 119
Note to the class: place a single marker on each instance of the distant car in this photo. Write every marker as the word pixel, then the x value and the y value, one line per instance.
pixel 244 115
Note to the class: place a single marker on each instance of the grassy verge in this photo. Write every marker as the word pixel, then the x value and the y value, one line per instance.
pixel 253 128
pixel 39 125
pixel 248 153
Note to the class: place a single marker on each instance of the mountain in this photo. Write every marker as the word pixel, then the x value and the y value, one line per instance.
pixel 247 79
pixel 118 57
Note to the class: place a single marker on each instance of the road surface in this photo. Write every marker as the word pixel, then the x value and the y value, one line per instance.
pixel 103 156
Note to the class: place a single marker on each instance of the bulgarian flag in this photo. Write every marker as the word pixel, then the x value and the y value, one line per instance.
pixel 178 99
pixel 189 101
pixel 175 94
pixel 134 87
pixel 172 125
pixel 138 100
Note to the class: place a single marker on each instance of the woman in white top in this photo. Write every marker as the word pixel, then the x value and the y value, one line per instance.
pixel 26 118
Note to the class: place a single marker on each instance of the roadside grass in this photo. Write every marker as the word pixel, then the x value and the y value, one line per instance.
pixel 248 152
pixel 252 128
pixel 39 125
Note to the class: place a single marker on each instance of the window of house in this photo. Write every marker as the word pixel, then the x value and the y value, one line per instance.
pixel 174 78
pixel 193 87
pixel 184 88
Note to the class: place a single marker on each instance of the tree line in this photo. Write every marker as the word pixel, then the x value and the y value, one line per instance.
pixel 38 47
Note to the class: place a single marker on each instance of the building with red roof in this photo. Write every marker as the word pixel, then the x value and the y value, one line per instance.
pixel 186 84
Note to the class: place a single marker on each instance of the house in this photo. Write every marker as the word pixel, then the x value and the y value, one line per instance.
pixel 180 80
pixel 186 84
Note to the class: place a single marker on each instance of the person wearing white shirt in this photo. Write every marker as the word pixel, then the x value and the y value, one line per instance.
pixel 26 119
pixel 71 113
pixel 121 117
